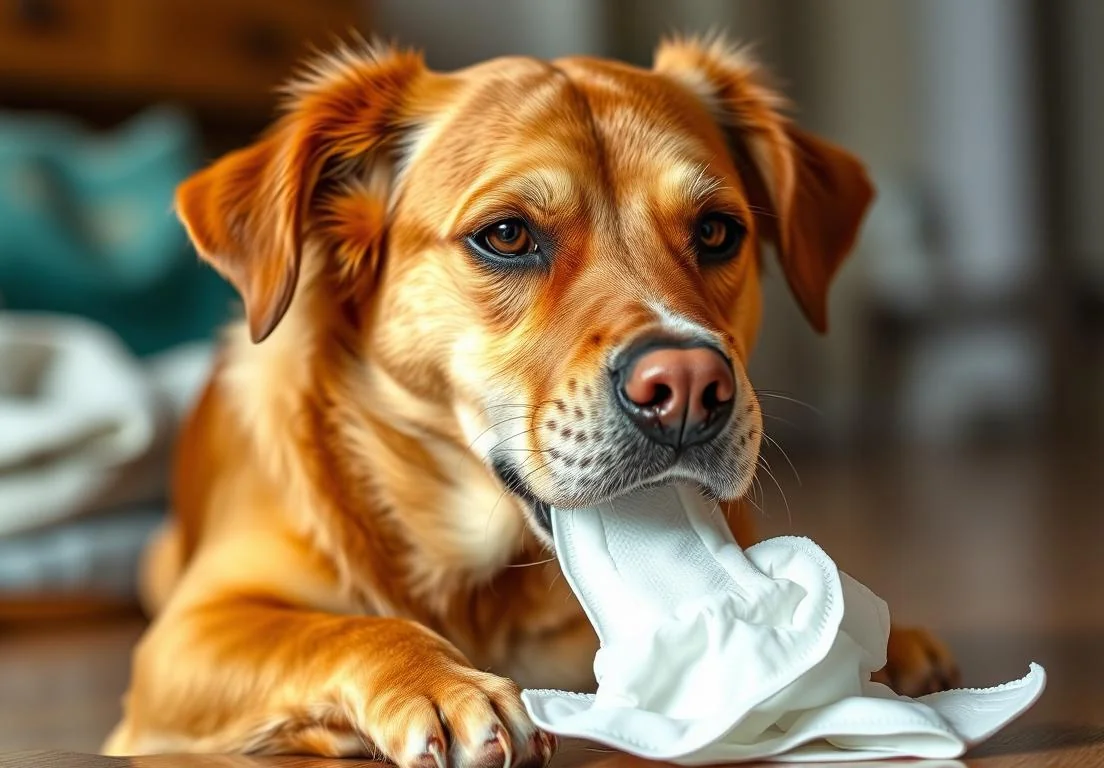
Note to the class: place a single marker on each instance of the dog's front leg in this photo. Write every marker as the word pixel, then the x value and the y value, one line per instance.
pixel 249 674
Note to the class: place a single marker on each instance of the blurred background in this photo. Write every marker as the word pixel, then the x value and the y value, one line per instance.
pixel 958 397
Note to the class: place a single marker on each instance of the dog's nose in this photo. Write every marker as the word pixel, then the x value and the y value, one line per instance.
pixel 677 396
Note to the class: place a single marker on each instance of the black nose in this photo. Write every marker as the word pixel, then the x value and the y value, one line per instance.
pixel 677 395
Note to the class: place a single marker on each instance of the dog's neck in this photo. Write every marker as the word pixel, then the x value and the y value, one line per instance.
pixel 454 511
pixel 430 519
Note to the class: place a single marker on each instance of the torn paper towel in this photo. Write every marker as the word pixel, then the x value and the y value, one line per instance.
pixel 712 654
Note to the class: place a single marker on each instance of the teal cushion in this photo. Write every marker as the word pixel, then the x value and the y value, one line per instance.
pixel 86 227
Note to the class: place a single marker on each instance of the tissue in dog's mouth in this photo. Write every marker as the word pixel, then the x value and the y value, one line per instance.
pixel 541 511
pixel 710 654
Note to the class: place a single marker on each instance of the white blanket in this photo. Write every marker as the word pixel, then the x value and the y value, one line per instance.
pixel 84 425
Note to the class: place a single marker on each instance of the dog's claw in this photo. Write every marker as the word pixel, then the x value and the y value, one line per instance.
pixel 495 752
pixel 545 746
pixel 550 743
pixel 507 750
pixel 433 757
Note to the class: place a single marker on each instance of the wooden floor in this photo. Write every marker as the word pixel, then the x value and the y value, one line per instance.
pixel 1004 554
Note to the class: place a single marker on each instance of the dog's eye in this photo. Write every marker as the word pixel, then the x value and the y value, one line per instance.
pixel 507 239
pixel 718 237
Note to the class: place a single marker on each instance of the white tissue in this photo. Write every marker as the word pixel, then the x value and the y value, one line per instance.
pixel 710 654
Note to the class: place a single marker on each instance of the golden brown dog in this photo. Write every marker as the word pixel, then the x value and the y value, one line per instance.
pixel 469 296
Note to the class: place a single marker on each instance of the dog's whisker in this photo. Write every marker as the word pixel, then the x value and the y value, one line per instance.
pixel 494 426
pixel 471 445
pixel 530 474
pixel 785 455
pixel 507 488
pixel 760 210
pixel 765 465
pixel 716 508
pixel 490 514
pixel 785 421
pixel 530 565
pixel 756 485
pixel 506 405
pixel 758 508
pixel 497 424
pixel 788 399
pixel 726 511
pixel 530 406
pixel 505 440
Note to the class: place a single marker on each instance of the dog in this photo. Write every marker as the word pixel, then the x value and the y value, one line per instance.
pixel 468 297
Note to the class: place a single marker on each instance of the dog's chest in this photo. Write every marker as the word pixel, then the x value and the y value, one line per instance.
pixel 526 624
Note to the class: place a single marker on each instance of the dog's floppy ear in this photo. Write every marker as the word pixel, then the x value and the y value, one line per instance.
pixel 815 194
pixel 246 213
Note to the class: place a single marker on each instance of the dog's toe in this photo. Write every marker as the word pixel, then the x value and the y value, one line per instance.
pixel 541 748
pixel 479 738
pixel 494 752
pixel 432 757
pixel 918 663
pixel 515 737
pixel 467 719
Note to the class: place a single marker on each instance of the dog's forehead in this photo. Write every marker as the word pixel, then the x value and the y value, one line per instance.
pixel 641 115
pixel 583 122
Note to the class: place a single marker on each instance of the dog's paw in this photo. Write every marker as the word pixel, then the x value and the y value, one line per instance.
pixel 917 663
pixel 455 717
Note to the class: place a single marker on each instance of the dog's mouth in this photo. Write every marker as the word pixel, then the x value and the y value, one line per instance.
pixel 585 463
pixel 539 510
pixel 512 479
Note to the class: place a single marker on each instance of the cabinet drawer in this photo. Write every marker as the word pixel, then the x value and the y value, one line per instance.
pixel 229 54
pixel 68 40
pixel 245 47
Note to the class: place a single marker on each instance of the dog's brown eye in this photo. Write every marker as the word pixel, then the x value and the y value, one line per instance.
pixel 713 233
pixel 718 237
pixel 508 239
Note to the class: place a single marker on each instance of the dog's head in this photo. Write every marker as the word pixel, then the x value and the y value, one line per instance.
pixel 561 259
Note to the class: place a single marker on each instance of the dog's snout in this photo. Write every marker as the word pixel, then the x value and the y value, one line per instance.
pixel 677 396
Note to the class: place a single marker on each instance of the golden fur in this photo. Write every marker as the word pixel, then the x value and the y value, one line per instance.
pixel 342 562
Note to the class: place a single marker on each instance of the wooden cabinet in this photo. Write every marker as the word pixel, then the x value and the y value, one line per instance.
pixel 224 54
